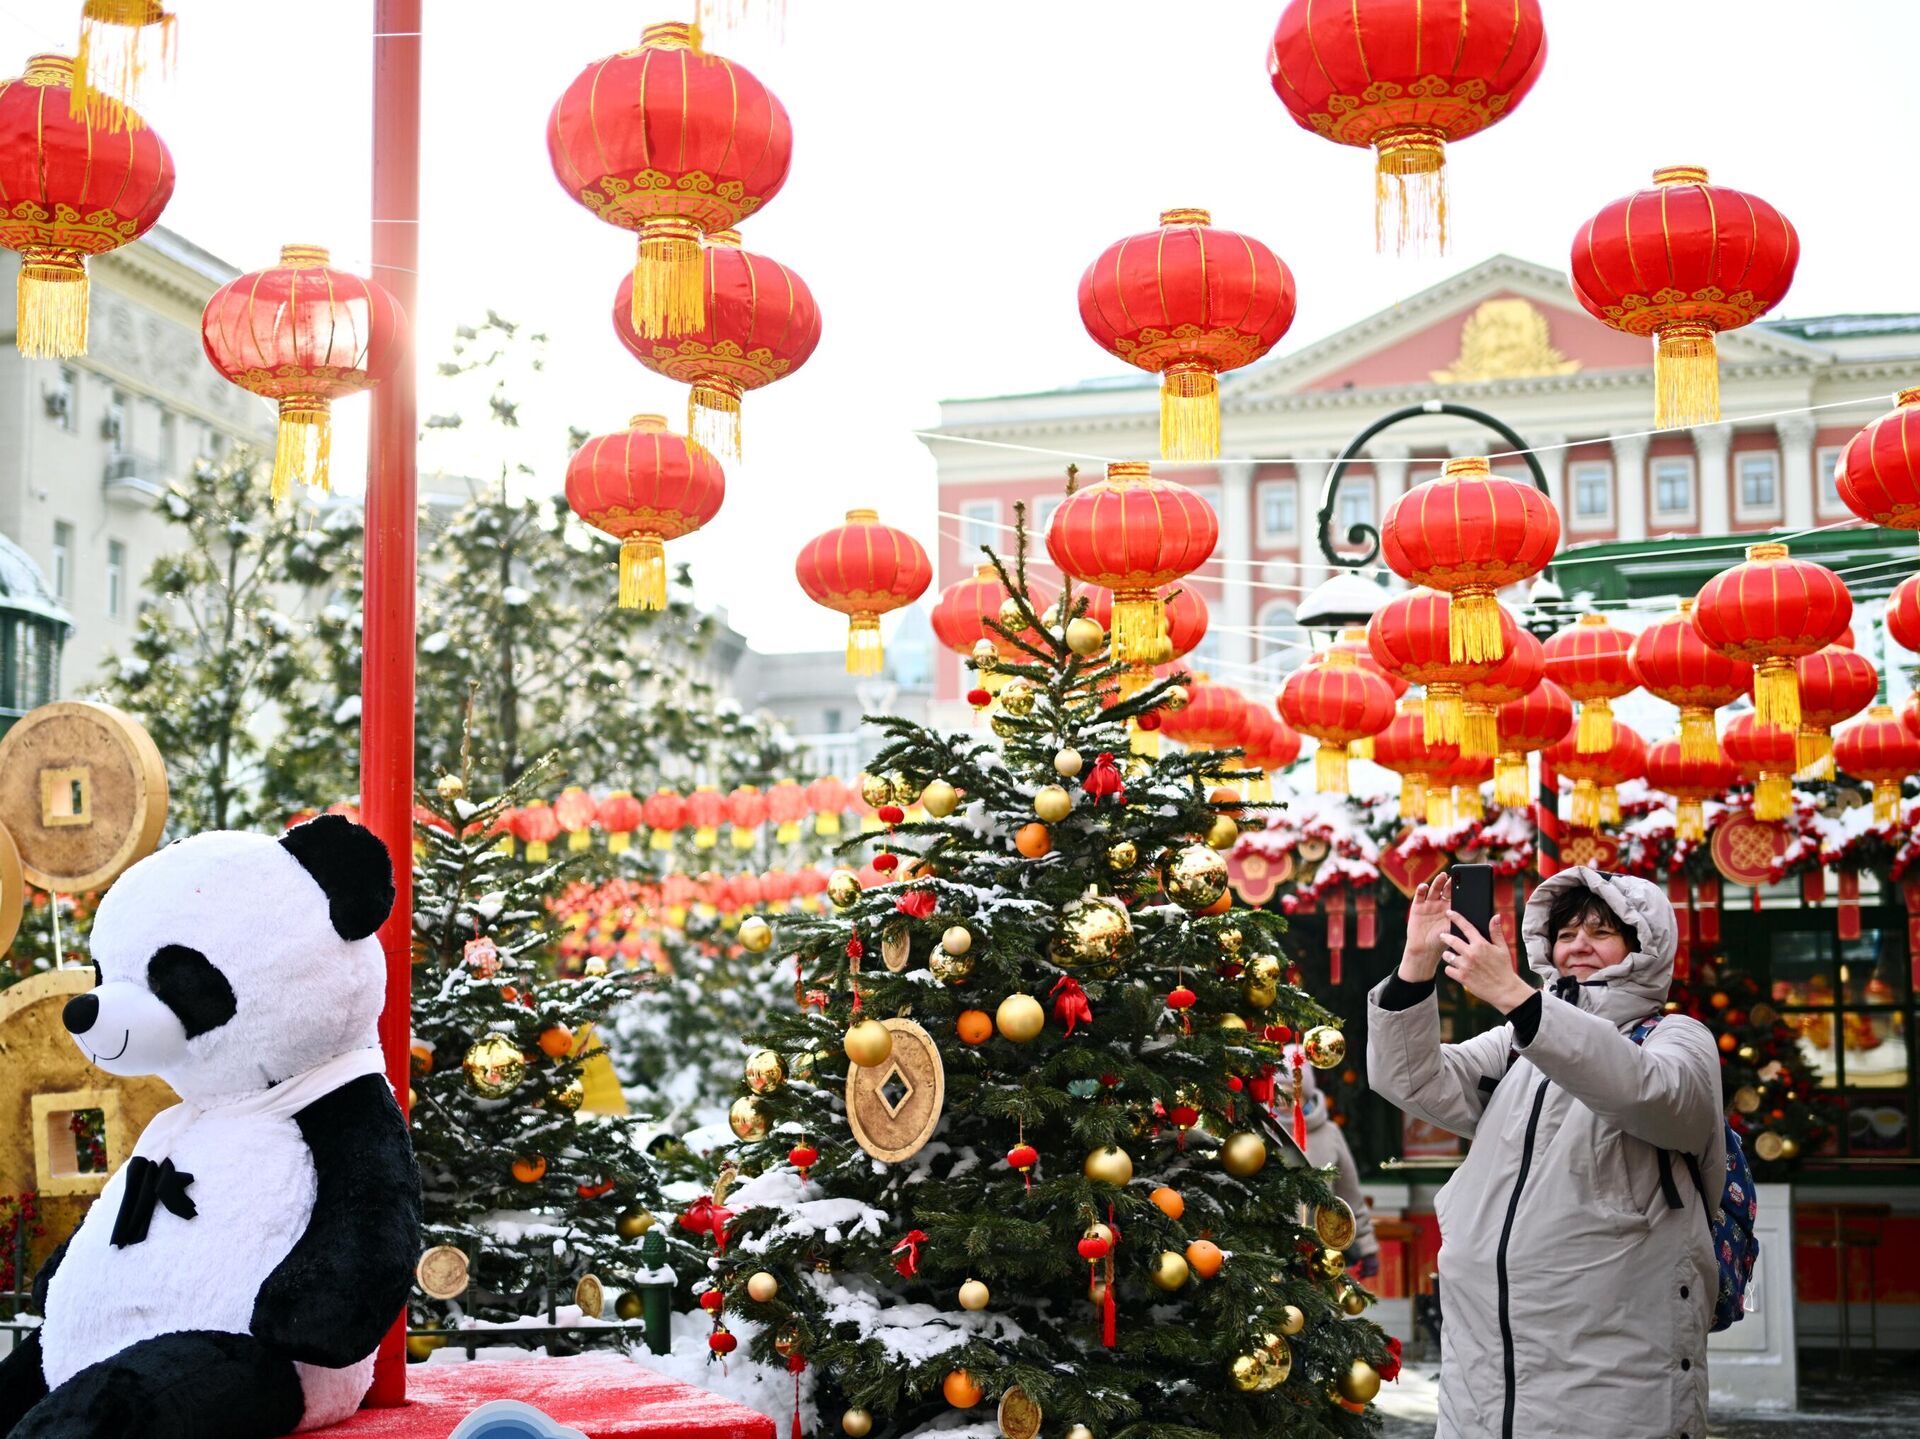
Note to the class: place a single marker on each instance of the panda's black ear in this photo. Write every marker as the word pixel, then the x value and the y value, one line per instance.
pixel 351 866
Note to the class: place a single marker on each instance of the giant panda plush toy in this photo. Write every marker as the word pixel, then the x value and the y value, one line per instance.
pixel 236 1274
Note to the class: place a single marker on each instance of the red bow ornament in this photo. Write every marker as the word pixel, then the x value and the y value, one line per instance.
pixel 1104 779
pixel 703 1216
pixel 908 1263
pixel 1070 1005
pixel 917 904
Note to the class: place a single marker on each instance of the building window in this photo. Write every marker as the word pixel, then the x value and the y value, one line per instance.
pixel 63 397
pixel 1204 657
pixel 62 561
pixel 1592 495
pixel 116 579
pixel 1356 506
pixel 1673 488
pixel 1281 646
pixel 114 427
pixel 1279 509
pixel 981 527
pixel 1759 485
pixel 830 721
pixel 169 441
pixel 1826 464
pixel 1043 514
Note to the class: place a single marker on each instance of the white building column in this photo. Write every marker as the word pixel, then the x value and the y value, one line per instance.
pixel 1389 459
pixel 1553 464
pixel 1711 446
pixel 1236 550
pixel 1311 466
pixel 1630 486
pixel 1797 480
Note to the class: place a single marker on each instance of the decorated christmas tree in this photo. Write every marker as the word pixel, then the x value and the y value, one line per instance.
pixel 1026 1142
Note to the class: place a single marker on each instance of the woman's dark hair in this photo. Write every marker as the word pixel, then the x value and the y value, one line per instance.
pixel 1575 906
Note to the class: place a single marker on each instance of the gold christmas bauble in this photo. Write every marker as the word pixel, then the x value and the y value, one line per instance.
pixel 1259 996
pixel 950 968
pixel 1327 1263
pixel 628 1306
pixel 1334 1223
pixel 974 1295
pixel 1175 698
pixel 787 1342
pixel 450 786
pixel 843 887
pixel 869 1043
pixel 1122 855
pixel 1011 615
pixel 1292 1320
pixel 803 1065
pixel 1053 804
pixel 1360 1383
pixel 1231 1021
pixel 571 1095
pixel 1279 1359
pixel 1748 1054
pixel 1789 1147
pixel 766 1071
pixel 1768 1146
pixel 1249 1373
pixel 756 935
pixel 1020 1018
pixel 1085 637
pixel 1223 833
pixel 762 1286
pixel 875 790
pixel 940 798
pixel 1324 1046
pixel 494 1066
pixel 632 1223
pixel 1195 877
pixel 856 1423
pixel 1017 698
pixel 1244 1154
pixel 1231 940
pixel 1109 1166
pixel 748 1116
pixel 1067 763
pixel 904 790
pixel 1078 1431
pixel 1169 1270
pixel 986 656
pixel 1353 1301
pixel 419 1346
pixel 1096 936
pixel 1265 969
pixel 957 940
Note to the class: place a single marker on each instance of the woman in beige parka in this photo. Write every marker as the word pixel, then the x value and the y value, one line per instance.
pixel 1575 1297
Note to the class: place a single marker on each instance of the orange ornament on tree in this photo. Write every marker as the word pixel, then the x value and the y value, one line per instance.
pixel 1835 685
pixel 761 325
pixel 1537 720
pixel 1187 302
pixel 1879 472
pixel 1882 751
pixel 1682 262
pixel 1768 612
pixel 644 487
pixel 1402 79
pixel 1767 757
pixel 1516 676
pixel 864 569
pixel 1336 702
pixel 1672 662
pixel 674 143
pixel 1691 781
pixel 1409 635
pixel 1590 661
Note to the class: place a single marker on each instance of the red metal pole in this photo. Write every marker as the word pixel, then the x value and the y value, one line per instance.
pixel 386 670
pixel 1546 819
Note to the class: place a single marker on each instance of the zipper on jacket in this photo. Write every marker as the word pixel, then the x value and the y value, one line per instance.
pixel 1500 1259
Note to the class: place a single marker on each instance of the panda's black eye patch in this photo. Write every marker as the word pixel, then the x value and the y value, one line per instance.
pixel 187 983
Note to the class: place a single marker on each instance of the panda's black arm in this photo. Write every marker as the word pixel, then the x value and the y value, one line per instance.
pixel 340 1289
pixel 23 1382
pixel 44 1276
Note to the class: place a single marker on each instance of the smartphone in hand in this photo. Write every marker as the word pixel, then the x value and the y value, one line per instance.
pixel 1473 896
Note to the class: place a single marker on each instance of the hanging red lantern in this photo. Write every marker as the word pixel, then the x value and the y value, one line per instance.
pixel 574 810
pixel 1682 262
pixel 786 807
pixel 1767 757
pixel 1624 758
pixel 1134 535
pixel 1879 473
pixel 706 809
pixel 1589 660
pixel 1672 662
pixel 1402 747
pixel 1691 781
pixel 1211 717
pixel 746 812
pixel 674 143
pixel 1354 641
pixel 1337 703
pixel 864 569
pixel 960 616
pixel 761 325
pixel 1184 620
pixel 72 190
pixel 1835 685
pixel 536 826
pixel 828 797
pixel 1403 79
pixel 1278 745
pixel 644 487
pixel 1187 302
pixel 1903 614
pixel 1516 676
pixel 1409 635
pixel 1768 612
pixel 119 41
pixel 1537 720
pixel 1882 751
pixel 619 814
pixel 664 813
pixel 1469 533
pixel 1259 732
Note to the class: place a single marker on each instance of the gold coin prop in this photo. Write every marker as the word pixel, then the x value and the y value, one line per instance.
pixel 442 1272
pixel 896 947
pixel 894 1108
pixel 590 1296
pixel 83 792
pixel 1019 1414
pixel 13 890
pixel 1335 1224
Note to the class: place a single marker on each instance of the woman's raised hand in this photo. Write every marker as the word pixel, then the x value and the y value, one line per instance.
pixel 1427 920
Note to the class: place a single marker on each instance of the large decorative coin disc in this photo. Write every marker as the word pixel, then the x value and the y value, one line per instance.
pixel 1334 1223
pixel 442 1272
pixel 1019 1415
pixel 83 793
pixel 1744 848
pixel 13 890
pixel 893 1108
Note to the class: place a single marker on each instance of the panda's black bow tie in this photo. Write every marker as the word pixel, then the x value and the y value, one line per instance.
pixel 149 1184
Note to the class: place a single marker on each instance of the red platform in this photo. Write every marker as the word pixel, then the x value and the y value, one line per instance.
pixel 603 1396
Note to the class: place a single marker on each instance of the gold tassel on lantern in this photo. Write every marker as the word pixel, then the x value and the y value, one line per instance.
pixel 1189 412
pixel 863 645
pixel 1443 715
pixel 1143 742
pixel 1510 780
pixel 1699 740
pixel 1813 750
pixel 713 417
pixel 1584 813
pixel 1691 822
pixel 1479 730
pixel 53 303
pixel 109 63
pixel 1330 768
pixel 1361 748
pixel 1473 628
pixel 303 450
pixel 1609 804
pixel 1439 806
pixel 1776 693
pixel 669 279
pixel 643 573
pixel 1413 797
pixel 1467 804
pixel 1596 728
pixel 1773 797
pixel 1410 188
pixel 1138 621
pixel 1886 801
pixel 1686 378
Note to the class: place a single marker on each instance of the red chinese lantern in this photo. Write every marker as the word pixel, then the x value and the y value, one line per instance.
pixel 1884 752
pixel 1835 685
pixel 1879 472
pixel 960 617
pixel 1592 773
pixel 706 809
pixel 1337 703
pixel 1211 717
pixel 1672 662
pixel 1590 661
pixel 1682 262
pixel 1516 676
pixel 786 807
pixel 119 41
pixel 1409 635
pixel 1403 79
pixel 1187 302
pixel 1402 747
pixel 1279 741
pixel 1625 760
pixel 1469 533
pixel 1259 732
pixel 864 569
pixel 746 812
pixel 1769 611
pixel 644 486
pixel 761 325
pixel 1134 535
pixel 574 810
pixel 620 814
pixel 1537 720
pixel 303 334
pixel 1184 621
pixel 1691 781
pixel 664 813
pixel 1903 614
pixel 675 144
pixel 828 798
pixel 72 190
pixel 1354 641
pixel 536 826
pixel 1767 757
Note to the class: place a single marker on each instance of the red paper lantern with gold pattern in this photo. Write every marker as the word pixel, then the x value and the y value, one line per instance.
pixel 1519 674
pixel 675 143
pixel 1187 302
pixel 1590 661
pixel 960 616
pixel 1769 611
pixel 1903 614
pixel 644 487
pixel 1409 635
pixel 1354 641
pixel 665 814
pixel 536 826
pixel 1402 747
pixel 1884 752
pixel 761 325
pixel 706 810
pixel 68 189
pixel 1469 533
pixel 1672 662
pixel 1879 472
pixel 1835 685
pixel 1337 703
pixel 1537 720
pixel 1403 79
pixel 1682 262
pixel 1593 774
pixel 1280 743
pixel 1260 738
pixel 1211 717
pixel 1766 756
pixel 1690 780
pixel 863 569
pixel 1135 535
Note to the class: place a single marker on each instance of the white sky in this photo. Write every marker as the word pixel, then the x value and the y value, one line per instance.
pixel 956 167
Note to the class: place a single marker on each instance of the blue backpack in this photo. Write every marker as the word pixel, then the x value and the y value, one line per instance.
pixel 1735 1246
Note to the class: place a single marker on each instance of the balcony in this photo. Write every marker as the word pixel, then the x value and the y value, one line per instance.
pixel 135 481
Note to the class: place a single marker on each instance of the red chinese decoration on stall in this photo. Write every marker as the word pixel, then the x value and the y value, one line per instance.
pixel 1691 781
pixel 1337 703
pixel 1882 751
pixel 644 487
pixel 1767 757
pixel 863 569
pixel 71 190
pixel 673 143
pixel 1879 472
pixel 1767 612
pixel 1672 662
pixel 1835 685
pixel 1682 262
pixel 1404 79
pixel 1515 677
pixel 1589 660
pixel 1409 635
pixel 1538 720
pixel 1187 302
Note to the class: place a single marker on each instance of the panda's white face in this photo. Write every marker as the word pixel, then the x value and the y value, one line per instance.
pixel 221 971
